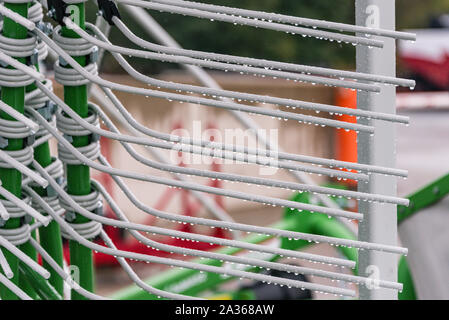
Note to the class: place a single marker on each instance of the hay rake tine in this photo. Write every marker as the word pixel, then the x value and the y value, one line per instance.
pixel 219 150
pixel 77 213
pixel 154 29
pixel 249 261
pixel 291 19
pixel 221 224
pixel 257 23
pixel 24 258
pixel 294 186
pixel 73 155
pixel 163 95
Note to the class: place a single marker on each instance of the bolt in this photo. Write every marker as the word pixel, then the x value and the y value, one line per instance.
pixel 95 137
pixel 436 190
pixel 93 56
pixel 68 138
pixel 99 209
pixel 62 62
pixel 51 12
pixel 27 219
pixel 70 216
pixel 51 192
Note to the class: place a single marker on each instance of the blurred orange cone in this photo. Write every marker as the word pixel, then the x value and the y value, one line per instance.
pixel 346 142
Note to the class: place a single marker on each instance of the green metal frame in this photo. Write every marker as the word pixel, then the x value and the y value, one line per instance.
pixel 193 282
pixel 78 176
pixel 11 178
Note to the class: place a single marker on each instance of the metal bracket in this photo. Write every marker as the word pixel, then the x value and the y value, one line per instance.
pixel 93 56
pixel 46 28
pixel 29 141
pixel 3 142
pixel 4 64
pixel 99 210
pixel 34 58
pixel 27 219
pixel 425 197
pixel 95 137
pixel 47 111
pixel 108 9
pixel 70 216
pixel 51 192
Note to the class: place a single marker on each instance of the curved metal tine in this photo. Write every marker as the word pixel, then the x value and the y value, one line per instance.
pixel 319 34
pixel 291 19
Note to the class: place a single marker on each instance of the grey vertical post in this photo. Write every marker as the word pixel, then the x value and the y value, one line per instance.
pixel 380 221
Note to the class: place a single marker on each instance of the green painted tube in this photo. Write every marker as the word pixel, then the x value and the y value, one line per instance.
pixel 28 249
pixel 14 97
pixel 50 236
pixel 78 176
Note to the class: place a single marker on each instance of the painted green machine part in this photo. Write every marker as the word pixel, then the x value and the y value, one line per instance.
pixel 50 239
pixel 12 179
pixel 78 176
pixel 425 197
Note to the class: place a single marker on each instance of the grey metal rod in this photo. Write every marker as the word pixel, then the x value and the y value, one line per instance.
pixel 380 225
pixel 290 19
pixel 319 34
pixel 210 205
pixel 251 62
pixel 152 27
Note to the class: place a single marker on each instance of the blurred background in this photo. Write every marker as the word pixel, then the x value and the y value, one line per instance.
pixel 422 147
